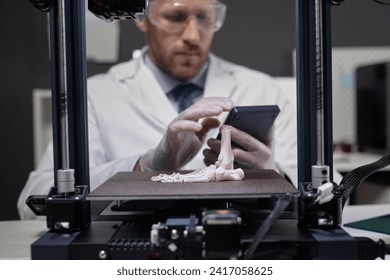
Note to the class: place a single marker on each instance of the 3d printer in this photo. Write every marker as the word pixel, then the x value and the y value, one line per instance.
pixel 267 219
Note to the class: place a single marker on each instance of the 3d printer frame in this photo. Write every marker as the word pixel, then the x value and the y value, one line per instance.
pixel 89 239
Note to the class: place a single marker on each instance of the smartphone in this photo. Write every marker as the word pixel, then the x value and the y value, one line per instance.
pixel 254 120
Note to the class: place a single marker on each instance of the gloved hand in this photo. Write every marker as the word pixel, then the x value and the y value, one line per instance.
pixel 251 153
pixel 185 135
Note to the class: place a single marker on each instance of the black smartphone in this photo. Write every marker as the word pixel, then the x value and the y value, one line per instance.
pixel 254 120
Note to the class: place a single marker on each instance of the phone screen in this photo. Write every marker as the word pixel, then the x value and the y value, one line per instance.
pixel 254 120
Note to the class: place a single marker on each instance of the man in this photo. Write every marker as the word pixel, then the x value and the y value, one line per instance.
pixel 137 121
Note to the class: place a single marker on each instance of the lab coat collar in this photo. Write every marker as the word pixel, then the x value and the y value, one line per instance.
pixel 138 78
pixel 220 78
pixel 220 81
pixel 129 69
pixel 217 70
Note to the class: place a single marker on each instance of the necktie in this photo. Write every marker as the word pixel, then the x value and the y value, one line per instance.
pixel 185 95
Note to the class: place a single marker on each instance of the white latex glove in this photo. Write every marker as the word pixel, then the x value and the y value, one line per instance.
pixel 252 153
pixel 185 135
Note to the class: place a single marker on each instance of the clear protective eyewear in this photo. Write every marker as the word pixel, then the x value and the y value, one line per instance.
pixel 174 17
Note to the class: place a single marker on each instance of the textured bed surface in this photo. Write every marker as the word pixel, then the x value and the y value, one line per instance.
pixel 138 186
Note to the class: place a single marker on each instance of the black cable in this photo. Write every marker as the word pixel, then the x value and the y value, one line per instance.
pixel 281 204
pixel 354 178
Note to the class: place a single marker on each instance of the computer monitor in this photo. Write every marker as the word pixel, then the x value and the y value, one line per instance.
pixel 373 107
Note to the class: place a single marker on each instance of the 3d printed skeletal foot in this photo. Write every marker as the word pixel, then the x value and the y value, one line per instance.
pixel 222 170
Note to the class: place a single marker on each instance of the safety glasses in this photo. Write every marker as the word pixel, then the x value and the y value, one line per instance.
pixel 173 17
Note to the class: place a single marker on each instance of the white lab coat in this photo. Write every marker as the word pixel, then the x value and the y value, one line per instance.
pixel 129 113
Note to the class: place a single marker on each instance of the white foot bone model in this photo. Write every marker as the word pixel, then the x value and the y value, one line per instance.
pixel 222 170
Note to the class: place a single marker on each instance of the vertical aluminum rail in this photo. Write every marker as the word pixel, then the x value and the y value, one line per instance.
pixel 69 94
pixel 320 86
pixel 314 87
pixel 65 175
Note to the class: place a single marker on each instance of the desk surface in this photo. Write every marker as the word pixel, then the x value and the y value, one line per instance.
pixel 360 212
pixel 17 236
